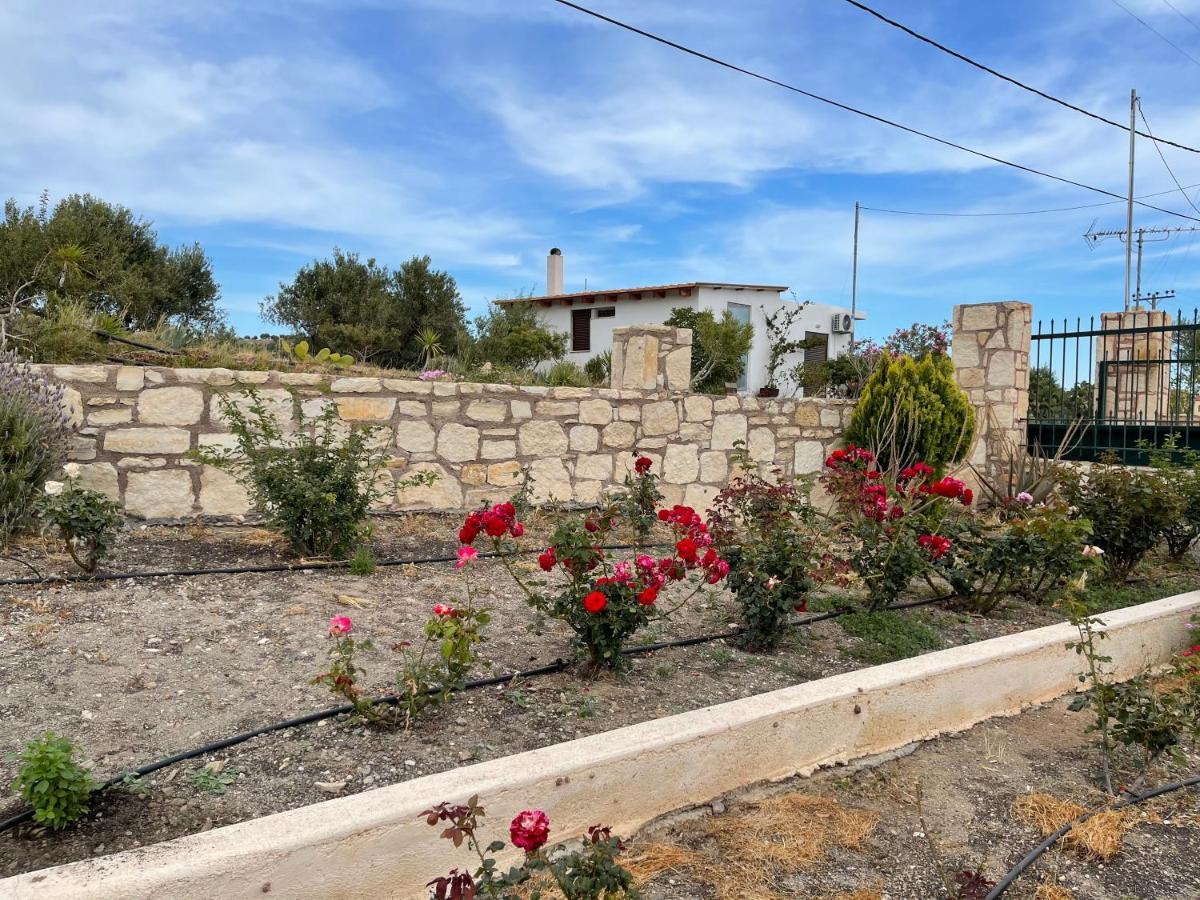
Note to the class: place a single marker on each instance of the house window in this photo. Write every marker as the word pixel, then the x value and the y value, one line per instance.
pixel 581 331
pixel 816 348
pixel 606 312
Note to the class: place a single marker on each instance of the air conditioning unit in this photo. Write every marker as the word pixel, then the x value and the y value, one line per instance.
pixel 843 323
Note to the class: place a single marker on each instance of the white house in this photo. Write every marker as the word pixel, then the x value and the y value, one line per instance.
pixel 588 317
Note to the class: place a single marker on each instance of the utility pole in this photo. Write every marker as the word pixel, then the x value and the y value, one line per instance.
pixel 1129 204
pixel 1140 236
pixel 854 273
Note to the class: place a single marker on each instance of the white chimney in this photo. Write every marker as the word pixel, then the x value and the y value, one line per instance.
pixel 554 272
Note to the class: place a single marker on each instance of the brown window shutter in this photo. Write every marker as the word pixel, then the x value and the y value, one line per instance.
pixel 581 330
pixel 820 352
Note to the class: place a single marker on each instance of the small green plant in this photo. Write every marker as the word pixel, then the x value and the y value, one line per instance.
pixel 887 636
pixel 565 373
pixel 437 668
pixel 589 872
pixel 300 352
pixel 429 343
pixel 88 521
pixel 363 562
pixel 780 343
pixel 641 498
pixel 1180 469
pixel 211 780
pixel 1131 511
pixel 913 411
pixel 315 484
pixel 599 369
pixel 35 433
pixel 50 780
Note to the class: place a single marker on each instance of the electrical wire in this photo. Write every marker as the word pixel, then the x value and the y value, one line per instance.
pixel 859 112
pixel 1022 85
pixel 1181 15
pixel 1161 156
pixel 1157 33
pixel 1026 212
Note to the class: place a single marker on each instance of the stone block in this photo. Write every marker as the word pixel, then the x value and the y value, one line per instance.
pixel 550 481
pixel 415 436
pixel 131 378
pixel 100 477
pixel 487 410
pixel 147 440
pixel 697 408
pixel 505 474
pixel 458 443
pixel 86 374
pixel 356 385
pixel 164 494
pixel 72 405
pixel 170 406
pixel 366 409
pixel 474 473
pixel 596 467
pixel 714 467
pixel 728 428
pixel 278 402
pixel 977 318
pixel 681 463
pixel 117 415
pixel 678 369
pixel 221 494
pixel 660 418
pixel 761 445
pixel 595 412
pixel 498 449
pixel 444 493
pixel 618 434
pixel 699 496
pixel 541 438
pixel 557 408
pixel 808 457
pixel 585 438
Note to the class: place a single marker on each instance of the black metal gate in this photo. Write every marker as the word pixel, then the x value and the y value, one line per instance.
pixel 1123 387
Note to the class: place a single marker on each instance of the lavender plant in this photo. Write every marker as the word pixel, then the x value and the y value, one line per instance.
pixel 35 433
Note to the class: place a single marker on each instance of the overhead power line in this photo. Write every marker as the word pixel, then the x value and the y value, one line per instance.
pixel 1023 212
pixel 1166 165
pixel 1181 14
pixel 1022 85
pixel 843 106
pixel 1157 33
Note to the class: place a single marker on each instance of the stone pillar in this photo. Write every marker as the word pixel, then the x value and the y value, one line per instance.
pixel 991 363
pixel 651 358
pixel 1132 369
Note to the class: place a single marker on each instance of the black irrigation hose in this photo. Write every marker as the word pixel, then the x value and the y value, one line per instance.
pixel 391 699
pixel 83 577
pixel 1030 858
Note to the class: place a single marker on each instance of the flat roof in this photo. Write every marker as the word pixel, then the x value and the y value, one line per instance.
pixel 655 290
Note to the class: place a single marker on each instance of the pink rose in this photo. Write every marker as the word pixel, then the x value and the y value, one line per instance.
pixel 465 555
pixel 443 609
pixel 530 830
pixel 339 625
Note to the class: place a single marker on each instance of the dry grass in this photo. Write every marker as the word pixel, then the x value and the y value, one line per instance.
pixel 744 853
pixel 1099 837
pixel 1052 892
pixel 860 894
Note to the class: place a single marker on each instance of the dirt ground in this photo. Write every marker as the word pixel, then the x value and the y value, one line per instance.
pixel 138 669
pixel 887 830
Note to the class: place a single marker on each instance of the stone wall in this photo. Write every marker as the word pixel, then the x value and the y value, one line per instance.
pixel 651 358
pixel 136 427
pixel 991 363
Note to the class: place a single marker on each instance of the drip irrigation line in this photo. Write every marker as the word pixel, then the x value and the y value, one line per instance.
pixel 392 699
pixel 1033 855
pixel 83 577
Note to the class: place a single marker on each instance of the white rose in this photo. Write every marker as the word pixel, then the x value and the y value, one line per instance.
pixel 54 488
pixel 71 470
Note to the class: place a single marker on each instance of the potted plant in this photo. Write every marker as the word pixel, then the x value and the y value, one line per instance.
pixel 779 326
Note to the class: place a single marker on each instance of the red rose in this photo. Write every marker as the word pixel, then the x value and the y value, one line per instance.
pixel 530 830
pixel 642 465
pixel 516 529
pixel 648 596
pixel 595 602
pixel 494 524
pixel 967 496
pixel 547 559
pixel 687 550
pixel 467 534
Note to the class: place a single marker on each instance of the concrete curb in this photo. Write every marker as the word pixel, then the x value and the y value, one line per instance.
pixel 374 845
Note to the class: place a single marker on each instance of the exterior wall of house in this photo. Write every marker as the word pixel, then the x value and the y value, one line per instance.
pixel 815 317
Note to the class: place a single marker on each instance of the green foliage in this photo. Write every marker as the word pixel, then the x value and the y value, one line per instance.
pixel 887 636
pixel 212 781
pixel 919 340
pixel 513 335
pixel 1131 511
pixel 50 780
pixel 1180 469
pixel 363 562
pixel 565 373
pixel 65 333
pixel 913 411
pixel 100 253
pixel 764 531
pixel 88 521
pixel 1048 400
pixel 365 308
pixel 34 437
pixel 719 346
pixel 599 369
pixel 301 353
pixel 779 342
pixel 432 672
pixel 842 376
pixel 314 484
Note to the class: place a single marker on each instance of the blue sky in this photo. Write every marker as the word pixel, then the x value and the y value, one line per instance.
pixel 483 132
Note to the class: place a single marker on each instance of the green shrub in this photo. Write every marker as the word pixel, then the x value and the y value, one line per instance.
pixel 888 636
pixel 34 437
pixel 565 373
pixel 65 334
pixel 363 562
pixel 514 335
pixel 1131 511
pixel 913 411
pixel 1180 468
pixel 719 346
pixel 599 369
pixel 52 782
pixel 315 484
pixel 88 521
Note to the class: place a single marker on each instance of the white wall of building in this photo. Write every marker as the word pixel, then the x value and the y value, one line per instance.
pixel 814 317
